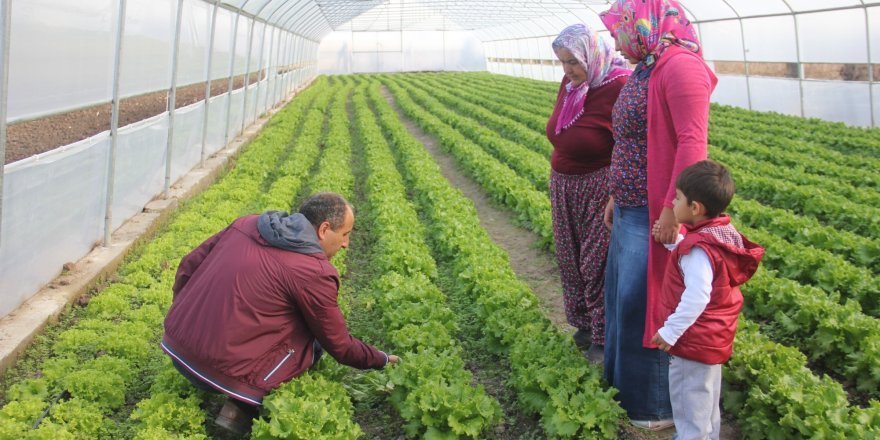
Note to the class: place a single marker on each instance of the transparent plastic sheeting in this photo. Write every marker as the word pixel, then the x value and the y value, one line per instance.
pixel 841 101
pixel 54 203
pixel 358 52
pixel 62 51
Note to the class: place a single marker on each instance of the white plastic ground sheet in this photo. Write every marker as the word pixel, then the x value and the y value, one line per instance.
pixel 68 186
pixel 53 213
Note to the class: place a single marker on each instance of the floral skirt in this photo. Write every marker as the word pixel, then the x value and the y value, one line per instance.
pixel 578 204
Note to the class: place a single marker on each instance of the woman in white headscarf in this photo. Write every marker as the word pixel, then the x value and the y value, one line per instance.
pixel 580 131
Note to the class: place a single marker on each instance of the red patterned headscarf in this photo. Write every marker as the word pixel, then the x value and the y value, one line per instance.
pixel 598 59
pixel 644 28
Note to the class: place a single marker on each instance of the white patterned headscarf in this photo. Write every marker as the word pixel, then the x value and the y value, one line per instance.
pixel 598 58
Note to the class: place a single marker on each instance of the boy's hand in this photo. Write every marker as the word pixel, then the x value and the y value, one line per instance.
pixel 660 343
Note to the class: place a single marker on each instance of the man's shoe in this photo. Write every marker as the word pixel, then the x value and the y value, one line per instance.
pixel 653 425
pixel 581 338
pixel 234 418
pixel 596 354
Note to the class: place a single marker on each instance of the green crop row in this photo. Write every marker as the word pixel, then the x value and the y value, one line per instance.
pixel 502 183
pixel 508 107
pixel 807 231
pixel 489 113
pixel 315 405
pixel 549 374
pixel 463 116
pixel 770 151
pixel 855 141
pixel 432 388
pixel 775 396
pixel 860 370
pixel 111 356
pixel 796 175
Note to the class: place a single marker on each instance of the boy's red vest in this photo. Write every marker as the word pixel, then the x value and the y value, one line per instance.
pixel 734 260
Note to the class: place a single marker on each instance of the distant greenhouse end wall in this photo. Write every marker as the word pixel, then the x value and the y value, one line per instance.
pixel 400 51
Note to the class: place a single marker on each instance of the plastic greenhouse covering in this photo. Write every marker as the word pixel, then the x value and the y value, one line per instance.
pixel 813 58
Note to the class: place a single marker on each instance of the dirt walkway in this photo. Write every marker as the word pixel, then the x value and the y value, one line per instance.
pixel 535 266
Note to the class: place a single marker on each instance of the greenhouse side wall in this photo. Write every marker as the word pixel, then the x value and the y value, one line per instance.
pixel 55 203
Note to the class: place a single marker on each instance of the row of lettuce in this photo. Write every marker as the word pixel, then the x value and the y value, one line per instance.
pixel 108 379
pixel 811 296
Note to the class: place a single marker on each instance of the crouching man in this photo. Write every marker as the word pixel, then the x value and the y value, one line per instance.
pixel 256 304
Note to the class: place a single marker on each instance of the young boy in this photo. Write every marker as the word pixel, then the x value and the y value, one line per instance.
pixel 701 299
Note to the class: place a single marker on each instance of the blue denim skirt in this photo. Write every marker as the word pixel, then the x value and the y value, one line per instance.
pixel 641 374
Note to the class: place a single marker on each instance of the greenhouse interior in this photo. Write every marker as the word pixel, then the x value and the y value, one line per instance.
pixel 132 131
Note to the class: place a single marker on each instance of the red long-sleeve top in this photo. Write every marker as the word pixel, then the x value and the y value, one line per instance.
pixel 245 314
pixel 586 145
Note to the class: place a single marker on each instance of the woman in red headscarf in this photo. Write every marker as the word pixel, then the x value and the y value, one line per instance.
pixel 580 131
pixel 660 125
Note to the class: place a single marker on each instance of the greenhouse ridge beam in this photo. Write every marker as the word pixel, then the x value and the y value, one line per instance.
pixel 793 12
pixel 251 16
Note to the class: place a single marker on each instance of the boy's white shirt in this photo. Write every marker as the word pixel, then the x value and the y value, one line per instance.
pixel 698 274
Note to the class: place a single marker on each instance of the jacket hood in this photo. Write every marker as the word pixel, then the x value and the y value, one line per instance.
pixel 289 232
pixel 741 256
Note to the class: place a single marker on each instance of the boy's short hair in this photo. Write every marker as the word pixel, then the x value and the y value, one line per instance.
pixel 709 183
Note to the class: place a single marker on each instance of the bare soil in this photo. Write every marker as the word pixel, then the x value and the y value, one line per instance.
pixel 28 138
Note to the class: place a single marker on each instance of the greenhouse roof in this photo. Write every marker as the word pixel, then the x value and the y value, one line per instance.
pixel 493 19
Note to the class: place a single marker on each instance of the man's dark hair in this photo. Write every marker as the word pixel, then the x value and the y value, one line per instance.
pixel 325 207
pixel 709 183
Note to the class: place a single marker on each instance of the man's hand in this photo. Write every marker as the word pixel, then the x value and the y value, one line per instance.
pixel 393 359
pixel 660 343
pixel 665 229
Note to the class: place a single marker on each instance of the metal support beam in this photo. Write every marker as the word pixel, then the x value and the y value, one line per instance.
pixel 208 72
pixel 114 123
pixel 269 67
pixel 247 75
pixel 260 72
pixel 172 98
pixel 231 79
pixel 278 54
pixel 870 69
pixel 742 39
pixel 5 24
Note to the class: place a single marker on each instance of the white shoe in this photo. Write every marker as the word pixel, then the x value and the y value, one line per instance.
pixel 653 425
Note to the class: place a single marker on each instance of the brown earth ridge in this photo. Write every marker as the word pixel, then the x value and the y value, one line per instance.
pixel 28 138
